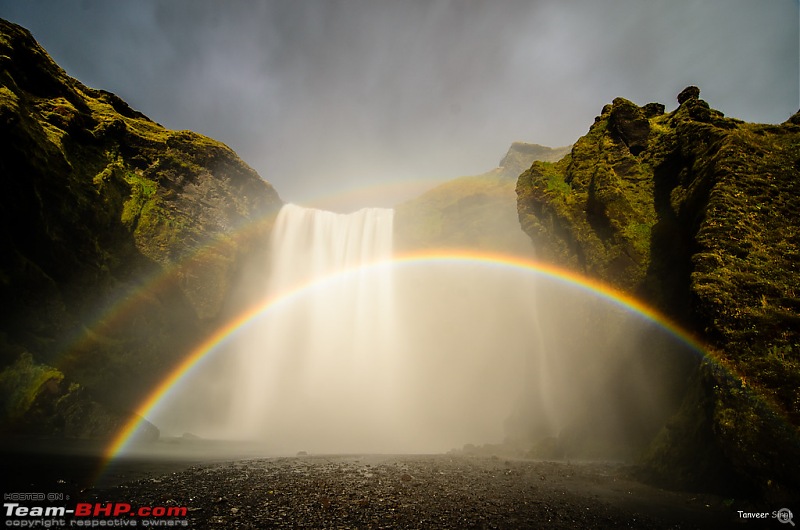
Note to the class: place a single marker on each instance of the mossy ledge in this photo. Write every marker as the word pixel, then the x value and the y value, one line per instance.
pixel 120 242
pixel 697 214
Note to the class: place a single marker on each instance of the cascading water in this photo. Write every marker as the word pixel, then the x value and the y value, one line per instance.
pixel 316 368
pixel 363 353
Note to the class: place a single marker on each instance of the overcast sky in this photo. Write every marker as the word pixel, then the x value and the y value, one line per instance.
pixel 325 97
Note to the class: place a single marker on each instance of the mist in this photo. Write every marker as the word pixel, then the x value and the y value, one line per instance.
pixel 376 100
pixel 358 350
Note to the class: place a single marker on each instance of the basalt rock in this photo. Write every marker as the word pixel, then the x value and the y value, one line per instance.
pixel 697 214
pixel 120 238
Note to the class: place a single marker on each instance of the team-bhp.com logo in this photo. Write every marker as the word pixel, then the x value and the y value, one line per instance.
pixel 85 509
pixel 119 514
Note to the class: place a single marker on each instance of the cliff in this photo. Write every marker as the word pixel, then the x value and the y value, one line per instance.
pixel 120 241
pixel 697 214
pixel 521 155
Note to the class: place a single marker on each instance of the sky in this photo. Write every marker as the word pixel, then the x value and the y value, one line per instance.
pixel 348 103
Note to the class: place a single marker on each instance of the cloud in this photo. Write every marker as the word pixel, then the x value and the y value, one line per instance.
pixel 324 95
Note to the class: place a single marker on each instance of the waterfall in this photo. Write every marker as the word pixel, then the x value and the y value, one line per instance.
pixel 318 368
pixel 309 243
pixel 372 358
pixel 358 351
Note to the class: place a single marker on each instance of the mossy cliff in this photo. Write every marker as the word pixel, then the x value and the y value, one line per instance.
pixel 697 214
pixel 120 241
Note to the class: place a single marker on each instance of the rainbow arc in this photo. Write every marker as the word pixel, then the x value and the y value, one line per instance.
pixel 248 317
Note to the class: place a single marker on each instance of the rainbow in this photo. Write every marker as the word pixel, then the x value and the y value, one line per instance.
pixel 120 309
pixel 228 330
pixel 162 279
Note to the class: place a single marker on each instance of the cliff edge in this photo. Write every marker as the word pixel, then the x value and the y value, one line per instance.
pixel 697 214
pixel 120 241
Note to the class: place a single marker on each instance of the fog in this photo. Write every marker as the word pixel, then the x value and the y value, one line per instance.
pixel 362 351
pixel 329 97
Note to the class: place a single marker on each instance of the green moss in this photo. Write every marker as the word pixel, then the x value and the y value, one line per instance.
pixel 140 202
pixel 593 210
pixel 99 199
pixel 639 234
pixel 22 382
pixel 9 100
pixel 554 180
pixel 702 222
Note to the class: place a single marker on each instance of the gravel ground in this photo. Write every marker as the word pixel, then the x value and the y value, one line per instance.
pixel 440 491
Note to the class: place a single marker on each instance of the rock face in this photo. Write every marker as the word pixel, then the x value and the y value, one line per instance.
pixel 120 238
pixel 521 155
pixel 698 215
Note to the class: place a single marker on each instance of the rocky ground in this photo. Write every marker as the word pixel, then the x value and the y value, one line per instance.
pixel 438 491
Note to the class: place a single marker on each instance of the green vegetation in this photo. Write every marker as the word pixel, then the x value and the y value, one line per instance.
pixel 639 236
pixel 554 180
pixel 22 383
pixel 598 200
pixel 696 213
pixel 105 209
pixel 142 196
